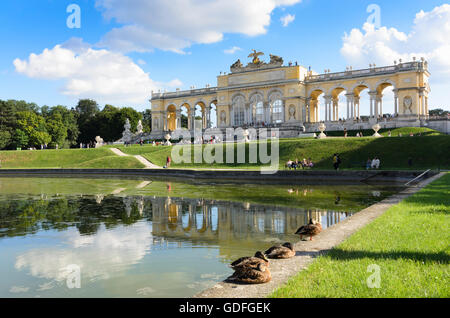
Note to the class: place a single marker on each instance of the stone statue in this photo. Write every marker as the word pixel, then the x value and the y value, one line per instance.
pixel 98 142
pixel 237 65
pixel 140 128
pixel 127 135
pixel 276 60
pixel 255 55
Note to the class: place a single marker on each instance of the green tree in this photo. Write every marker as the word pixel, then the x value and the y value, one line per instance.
pixel 34 126
pixel 5 139
pixel 438 112
pixel 20 139
pixel 86 110
pixel 147 120
pixel 57 130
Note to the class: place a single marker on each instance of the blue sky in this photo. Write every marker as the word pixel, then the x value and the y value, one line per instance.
pixel 191 55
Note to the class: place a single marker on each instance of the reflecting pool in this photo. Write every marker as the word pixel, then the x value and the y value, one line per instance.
pixel 149 238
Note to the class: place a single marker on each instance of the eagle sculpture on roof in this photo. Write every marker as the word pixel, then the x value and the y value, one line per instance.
pixel 255 55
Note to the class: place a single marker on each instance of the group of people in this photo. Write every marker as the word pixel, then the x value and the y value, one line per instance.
pixel 373 163
pixel 304 164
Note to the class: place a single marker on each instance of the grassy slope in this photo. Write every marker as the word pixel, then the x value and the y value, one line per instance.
pixel 405 131
pixel 66 158
pixel 409 243
pixel 425 151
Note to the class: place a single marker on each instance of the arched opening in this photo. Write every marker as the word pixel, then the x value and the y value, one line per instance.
pixel 257 109
pixel 385 100
pixel 313 113
pixel 171 118
pixel 199 116
pixel 336 109
pixel 277 107
pixel 213 119
pixel 185 121
pixel 238 111
pixel 361 97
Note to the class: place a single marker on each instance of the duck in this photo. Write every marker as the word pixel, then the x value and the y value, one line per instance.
pixel 250 261
pixel 281 251
pixel 252 275
pixel 311 229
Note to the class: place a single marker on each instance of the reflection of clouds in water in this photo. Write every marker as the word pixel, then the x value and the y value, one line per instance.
pixel 145 291
pixel 19 289
pixel 98 256
pixel 46 286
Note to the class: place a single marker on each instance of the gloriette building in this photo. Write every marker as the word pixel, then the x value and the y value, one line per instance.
pixel 272 94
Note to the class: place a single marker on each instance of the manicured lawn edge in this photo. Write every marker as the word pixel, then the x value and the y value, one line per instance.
pixel 408 244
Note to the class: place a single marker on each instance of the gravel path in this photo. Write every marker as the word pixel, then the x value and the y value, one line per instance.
pixel 145 162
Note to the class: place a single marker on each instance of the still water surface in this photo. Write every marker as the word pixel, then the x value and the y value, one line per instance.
pixel 144 238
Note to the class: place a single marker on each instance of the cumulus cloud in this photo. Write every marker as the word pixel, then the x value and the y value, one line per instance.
pixel 233 50
pixel 175 25
pixel 429 38
pixel 89 73
pixel 287 19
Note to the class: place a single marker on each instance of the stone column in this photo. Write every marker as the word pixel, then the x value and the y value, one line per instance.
pixel 357 107
pixel 327 107
pixel 395 102
pixel 335 109
pixel 349 105
pixel 422 103
pixel 165 121
pixel 208 117
pixel 308 110
pixel 267 114
pixel 231 115
pixel 380 103
pixel 192 115
pixel 373 97
pixel 178 119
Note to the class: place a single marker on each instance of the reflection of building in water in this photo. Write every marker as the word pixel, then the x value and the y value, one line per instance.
pixel 205 220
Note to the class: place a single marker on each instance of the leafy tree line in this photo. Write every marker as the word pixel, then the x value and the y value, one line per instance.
pixel 25 125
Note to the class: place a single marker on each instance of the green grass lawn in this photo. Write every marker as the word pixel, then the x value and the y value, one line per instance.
pixel 426 152
pixel 409 243
pixel 66 158
pixel 430 151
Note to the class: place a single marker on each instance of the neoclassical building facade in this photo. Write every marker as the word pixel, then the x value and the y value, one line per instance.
pixel 272 94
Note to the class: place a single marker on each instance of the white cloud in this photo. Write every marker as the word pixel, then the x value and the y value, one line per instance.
pixel 428 38
pixel 175 25
pixel 233 50
pixel 106 76
pixel 287 19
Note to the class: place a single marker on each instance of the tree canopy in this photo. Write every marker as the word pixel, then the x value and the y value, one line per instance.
pixel 25 125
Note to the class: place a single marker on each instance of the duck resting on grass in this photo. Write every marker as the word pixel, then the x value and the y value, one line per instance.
pixel 250 261
pixel 252 275
pixel 311 229
pixel 281 251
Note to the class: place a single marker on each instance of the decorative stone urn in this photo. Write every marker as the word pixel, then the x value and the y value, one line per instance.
pixel 322 128
pixel 376 128
pixel 167 138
